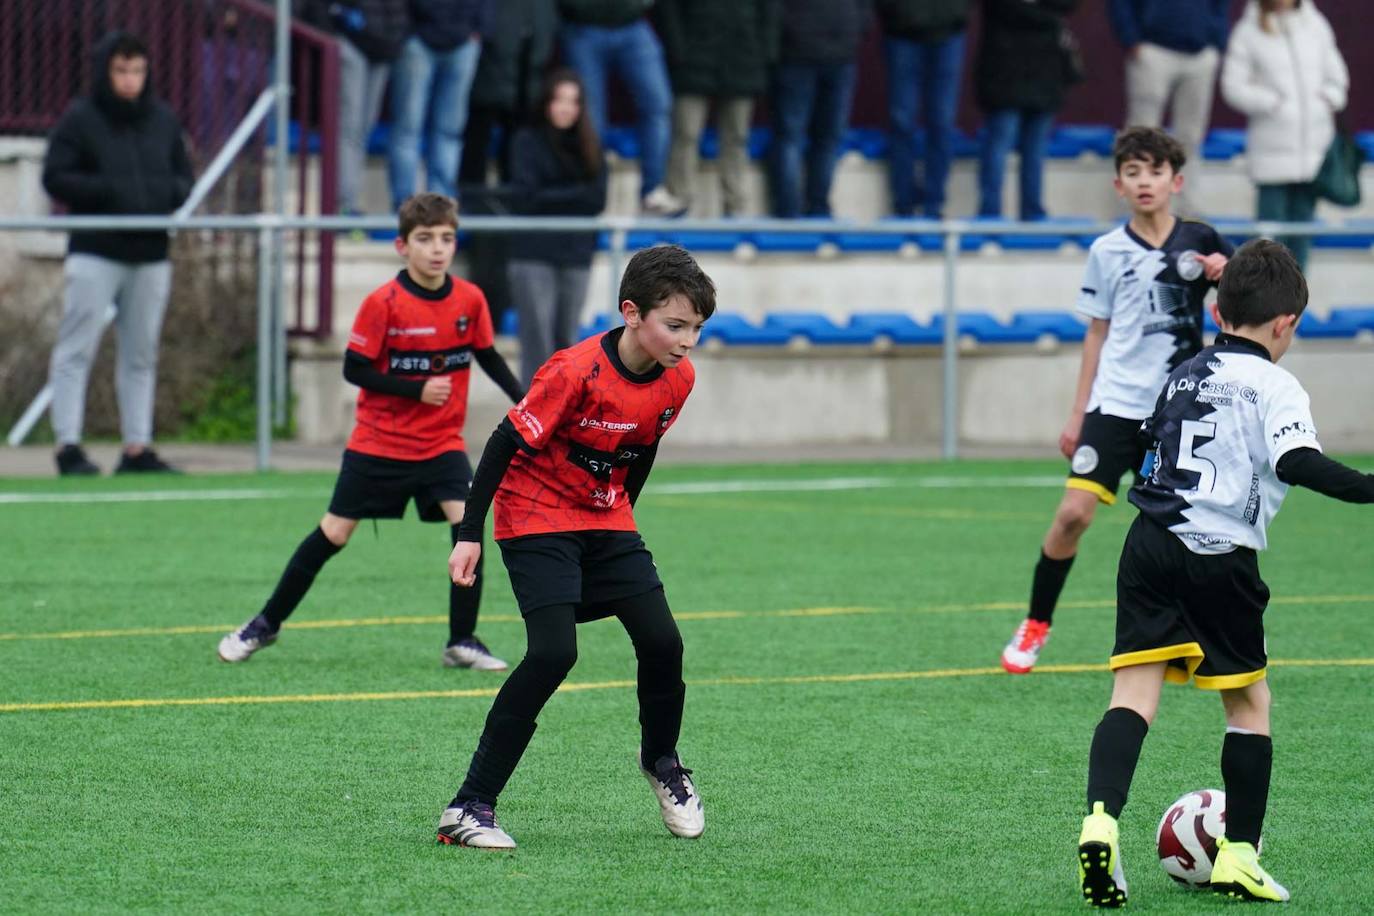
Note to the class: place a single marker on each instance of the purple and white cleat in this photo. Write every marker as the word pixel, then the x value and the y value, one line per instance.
pixel 473 824
pixel 678 800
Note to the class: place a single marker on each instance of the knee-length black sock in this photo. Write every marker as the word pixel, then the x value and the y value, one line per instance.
pixel 1111 762
pixel 1046 584
pixel 1246 763
pixel 298 576
pixel 658 649
pixel 463 602
pixel 510 724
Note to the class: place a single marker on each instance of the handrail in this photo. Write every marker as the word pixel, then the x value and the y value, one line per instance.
pixel 960 227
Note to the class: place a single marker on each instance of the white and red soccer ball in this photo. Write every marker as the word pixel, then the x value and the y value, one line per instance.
pixel 1188 833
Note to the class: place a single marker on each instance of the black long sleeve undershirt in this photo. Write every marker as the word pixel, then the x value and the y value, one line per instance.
pixel 639 472
pixel 496 458
pixel 499 372
pixel 358 370
pixel 1307 467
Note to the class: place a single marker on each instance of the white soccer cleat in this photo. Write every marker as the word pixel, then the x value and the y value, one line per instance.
pixel 678 800
pixel 472 653
pixel 1021 654
pixel 239 645
pixel 473 824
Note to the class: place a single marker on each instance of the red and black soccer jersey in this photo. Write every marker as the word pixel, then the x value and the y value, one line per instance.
pixel 586 420
pixel 417 333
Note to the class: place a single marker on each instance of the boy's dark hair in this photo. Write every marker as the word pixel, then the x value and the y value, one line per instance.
pixel 655 274
pixel 128 45
pixel 426 210
pixel 1262 281
pixel 1150 144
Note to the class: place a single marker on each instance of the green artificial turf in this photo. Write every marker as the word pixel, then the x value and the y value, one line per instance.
pixel 940 785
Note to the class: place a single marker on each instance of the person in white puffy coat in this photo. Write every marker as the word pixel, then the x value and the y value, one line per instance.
pixel 1284 72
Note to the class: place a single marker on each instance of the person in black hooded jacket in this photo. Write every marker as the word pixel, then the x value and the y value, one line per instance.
pixel 556 169
pixel 117 151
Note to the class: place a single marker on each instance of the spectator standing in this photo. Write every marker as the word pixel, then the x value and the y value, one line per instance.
pixel 510 73
pixel 718 51
pixel 118 151
pixel 813 87
pixel 1022 73
pixel 1284 72
pixel 372 32
pixel 429 93
pixel 1172 51
pixel 924 46
pixel 601 36
pixel 557 169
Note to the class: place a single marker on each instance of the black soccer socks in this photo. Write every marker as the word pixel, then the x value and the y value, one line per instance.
pixel 1046 585
pixel 296 579
pixel 500 748
pixel 1111 762
pixel 463 602
pixel 1246 762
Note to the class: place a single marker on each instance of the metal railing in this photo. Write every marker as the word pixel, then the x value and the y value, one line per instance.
pixel 271 292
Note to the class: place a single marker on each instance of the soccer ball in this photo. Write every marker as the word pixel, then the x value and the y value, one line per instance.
pixel 1188 834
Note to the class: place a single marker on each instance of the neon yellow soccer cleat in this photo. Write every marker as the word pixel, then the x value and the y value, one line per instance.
pixel 1237 873
pixel 1099 860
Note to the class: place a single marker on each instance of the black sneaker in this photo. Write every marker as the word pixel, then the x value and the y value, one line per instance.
pixel 145 462
pixel 72 462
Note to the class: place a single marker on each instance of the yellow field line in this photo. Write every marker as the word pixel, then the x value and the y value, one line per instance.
pixel 430 619
pixel 740 681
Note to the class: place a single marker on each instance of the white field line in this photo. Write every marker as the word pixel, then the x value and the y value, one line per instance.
pixel 668 489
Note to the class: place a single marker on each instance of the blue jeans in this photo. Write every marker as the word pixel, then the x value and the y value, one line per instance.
pixel 1029 132
pixel 922 75
pixel 429 94
pixel 633 53
pixel 810 110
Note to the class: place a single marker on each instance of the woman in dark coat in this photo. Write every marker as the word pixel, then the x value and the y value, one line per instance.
pixel 718 51
pixel 1022 72
pixel 556 169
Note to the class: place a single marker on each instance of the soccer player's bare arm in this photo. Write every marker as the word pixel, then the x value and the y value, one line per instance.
pixel 1087 373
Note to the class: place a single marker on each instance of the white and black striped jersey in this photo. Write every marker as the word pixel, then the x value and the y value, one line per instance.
pixel 1153 298
pixel 1223 421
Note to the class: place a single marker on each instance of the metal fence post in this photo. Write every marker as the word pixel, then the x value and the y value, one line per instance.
pixel 950 351
pixel 619 242
pixel 264 386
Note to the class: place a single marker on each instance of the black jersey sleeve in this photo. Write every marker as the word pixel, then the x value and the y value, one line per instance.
pixel 639 473
pixel 358 370
pixel 1307 467
pixel 499 372
pixel 496 458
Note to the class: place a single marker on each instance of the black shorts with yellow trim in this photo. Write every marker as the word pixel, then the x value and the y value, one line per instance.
pixel 370 486
pixel 1108 448
pixel 1203 615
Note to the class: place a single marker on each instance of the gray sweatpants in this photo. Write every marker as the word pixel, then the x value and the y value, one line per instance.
pixel 548 298
pixel 1158 78
pixel 139 294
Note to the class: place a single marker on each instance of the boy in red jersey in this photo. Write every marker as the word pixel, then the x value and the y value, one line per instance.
pixel 410 351
pixel 565 467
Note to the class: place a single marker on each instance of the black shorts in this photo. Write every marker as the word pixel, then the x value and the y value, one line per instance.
pixel 590 570
pixel 1204 615
pixel 373 487
pixel 1107 448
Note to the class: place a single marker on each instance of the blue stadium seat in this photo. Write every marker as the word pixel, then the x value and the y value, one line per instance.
pixel 733 329
pixel 1062 326
pixel 622 140
pixel 897 327
pixel 815 328
pixel 1344 322
pixel 984 328
pixel 1365 140
pixel 1358 242
pixel 706 241
pixel 510 322
pixel 788 241
pixel 1209 325
pixel 598 325
pixel 1223 143
pixel 1075 139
